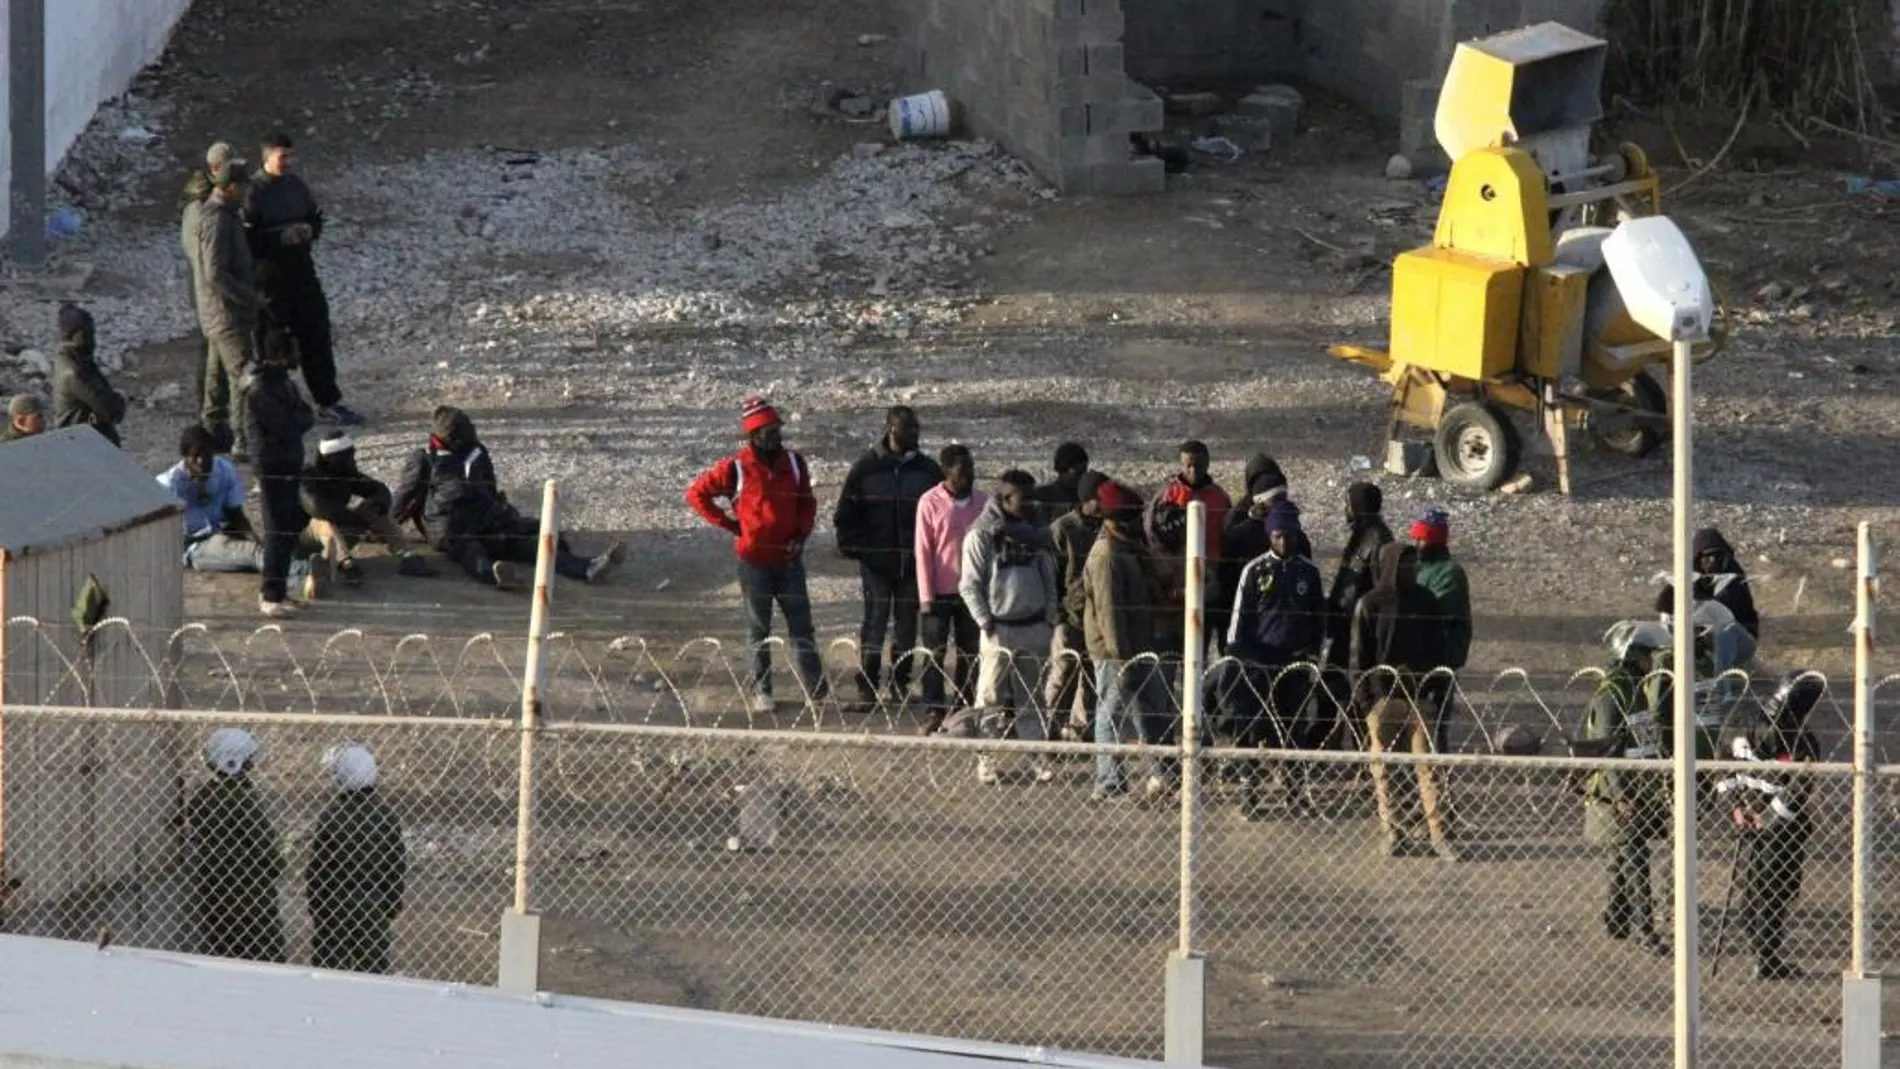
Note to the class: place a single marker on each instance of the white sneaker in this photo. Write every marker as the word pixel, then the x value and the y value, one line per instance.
pixel 761 704
pixel 1158 787
pixel 277 610
pixel 986 770
pixel 1040 769
pixel 602 566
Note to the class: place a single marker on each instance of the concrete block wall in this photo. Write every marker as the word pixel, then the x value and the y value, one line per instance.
pixel 94 48
pixel 1045 79
pixel 1191 43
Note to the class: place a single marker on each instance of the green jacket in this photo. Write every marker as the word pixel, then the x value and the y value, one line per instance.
pixel 235 863
pixel 1660 692
pixel 1445 578
pixel 358 869
pixel 1619 724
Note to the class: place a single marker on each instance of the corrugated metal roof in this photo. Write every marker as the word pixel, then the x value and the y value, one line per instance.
pixel 71 485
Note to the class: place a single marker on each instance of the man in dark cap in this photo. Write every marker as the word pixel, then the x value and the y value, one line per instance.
pixel 1057 497
pixel 449 491
pixel 1071 685
pixel 1396 640
pixel 876 524
pixel 348 507
pixel 1278 624
pixel 1245 536
pixel 227 300
pixel 81 394
pixel 1366 535
pixel 1720 577
pixel 1119 612
pixel 773 510
pixel 26 417
pixel 284 224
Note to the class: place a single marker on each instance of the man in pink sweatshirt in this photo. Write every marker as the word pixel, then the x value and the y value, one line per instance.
pixel 944 516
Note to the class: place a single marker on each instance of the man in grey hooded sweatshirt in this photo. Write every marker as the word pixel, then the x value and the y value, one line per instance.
pixel 1008 583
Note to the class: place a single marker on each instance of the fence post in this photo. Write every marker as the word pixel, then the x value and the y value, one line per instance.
pixel 521 929
pixel 1186 1020
pixel 1860 986
pixel 1688 964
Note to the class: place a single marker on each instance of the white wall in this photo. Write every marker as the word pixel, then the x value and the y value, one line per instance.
pixel 71 1005
pixel 93 50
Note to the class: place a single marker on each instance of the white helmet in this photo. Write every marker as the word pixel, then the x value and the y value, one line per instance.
pixel 1629 636
pixel 353 767
pixel 229 750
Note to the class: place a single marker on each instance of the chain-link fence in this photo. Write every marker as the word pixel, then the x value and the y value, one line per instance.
pixel 863 875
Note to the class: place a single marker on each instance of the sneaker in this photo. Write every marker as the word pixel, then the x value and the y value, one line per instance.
pixel 1158 787
pixel 276 610
pixel 760 704
pixel 603 566
pixel 1108 794
pixel 986 770
pixel 412 565
pixel 1650 941
pixel 340 414
pixel 1445 851
pixel 348 573
pixel 867 692
pixel 320 578
pixel 504 575
pixel 1392 843
pixel 1040 770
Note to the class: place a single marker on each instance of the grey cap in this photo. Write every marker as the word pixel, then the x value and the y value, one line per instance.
pixel 25 404
pixel 230 173
pixel 218 155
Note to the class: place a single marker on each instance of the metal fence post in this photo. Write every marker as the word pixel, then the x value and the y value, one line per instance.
pixel 26 66
pixel 1688 998
pixel 520 928
pixel 1860 986
pixel 1186 1021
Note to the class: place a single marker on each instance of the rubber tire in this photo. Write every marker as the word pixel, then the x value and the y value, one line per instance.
pixel 1501 458
pixel 1649 397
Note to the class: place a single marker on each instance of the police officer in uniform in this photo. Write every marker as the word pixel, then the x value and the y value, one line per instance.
pixel 1623 812
pixel 1769 811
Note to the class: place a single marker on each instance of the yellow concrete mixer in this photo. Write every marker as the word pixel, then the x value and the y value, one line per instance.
pixel 1552 284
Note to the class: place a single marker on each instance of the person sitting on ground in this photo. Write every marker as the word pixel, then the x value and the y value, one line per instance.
pixel 26 417
pixel 218 536
pixel 449 491
pixel 1719 577
pixel 81 393
pixel 347 507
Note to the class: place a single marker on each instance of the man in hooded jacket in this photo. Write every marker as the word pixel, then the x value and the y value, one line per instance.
pixel 1366 535
pixel 227 301
pixel 358 869
pixel 1120 604
pixel 1719 577
pixel 1279 622
pixel 1008 583
pixel 1397 640
pixel 82 396
pixel 233 857
pixel 876 523
pixel 449 490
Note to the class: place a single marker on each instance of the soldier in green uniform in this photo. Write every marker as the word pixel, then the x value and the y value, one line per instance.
pixel 235 857
pixel 358 869
pixel 1623 812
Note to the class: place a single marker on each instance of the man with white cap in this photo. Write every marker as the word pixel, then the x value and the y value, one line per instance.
pixel 348 507
pixel 358 869
pixel 233 857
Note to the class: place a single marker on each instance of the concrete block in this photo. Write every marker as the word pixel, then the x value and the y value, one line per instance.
pixel 1130 179
pixel 1282 106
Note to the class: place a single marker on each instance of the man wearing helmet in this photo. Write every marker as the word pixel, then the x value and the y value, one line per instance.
pixel 357 871
pixel 1624 811
pixel 234 857
pixel 1769 811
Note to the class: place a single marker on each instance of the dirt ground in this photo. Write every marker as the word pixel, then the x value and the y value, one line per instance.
pixel 605 342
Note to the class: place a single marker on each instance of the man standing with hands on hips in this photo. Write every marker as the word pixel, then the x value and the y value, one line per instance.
pixel 769 490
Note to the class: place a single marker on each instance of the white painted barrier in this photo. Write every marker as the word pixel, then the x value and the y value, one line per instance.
pixel 77 1007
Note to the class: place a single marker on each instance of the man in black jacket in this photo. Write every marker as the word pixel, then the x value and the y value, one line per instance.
pixel 876 522
pixel 1366 536
pixel 275 420
pixel 1057 497
pixel 347 507
pixel 1398 639
pixel 81 394
pixel 358 869
pixel 227 301
pixel 1769 809
pixel 449 492
pixel 1278 624
pixel 284 225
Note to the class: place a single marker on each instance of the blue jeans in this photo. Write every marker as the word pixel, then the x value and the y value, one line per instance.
pixel 223 553
pixel 785 585
pixel 1128 703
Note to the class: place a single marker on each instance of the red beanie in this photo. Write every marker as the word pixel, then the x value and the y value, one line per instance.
pixel 1113 497
pixel 758 412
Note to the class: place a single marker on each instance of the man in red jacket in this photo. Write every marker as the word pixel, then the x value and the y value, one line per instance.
pixel 769 489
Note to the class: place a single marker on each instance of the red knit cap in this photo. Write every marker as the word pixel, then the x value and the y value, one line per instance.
pixel 758 412
pixel 1114 497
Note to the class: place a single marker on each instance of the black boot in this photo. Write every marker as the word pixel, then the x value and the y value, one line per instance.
pixel 870 670
pixel 1774 968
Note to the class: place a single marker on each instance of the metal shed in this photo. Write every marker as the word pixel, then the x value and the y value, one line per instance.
pixel 84 803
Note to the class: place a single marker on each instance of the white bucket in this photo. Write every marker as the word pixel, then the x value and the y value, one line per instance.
pixel 923 115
